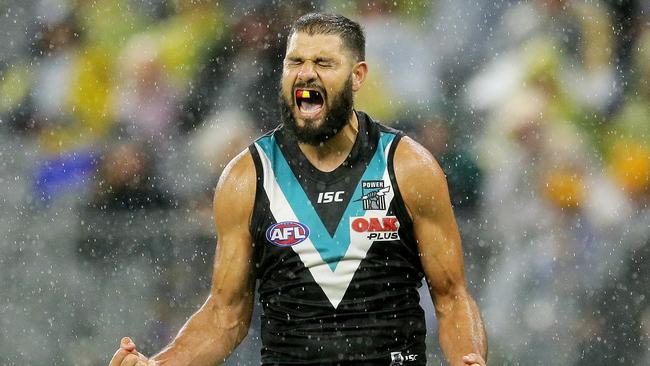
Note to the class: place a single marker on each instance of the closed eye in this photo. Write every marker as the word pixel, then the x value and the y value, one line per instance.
pixel 324 62
pixel 293 61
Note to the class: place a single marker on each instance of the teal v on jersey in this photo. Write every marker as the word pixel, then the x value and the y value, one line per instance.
pixel 331 248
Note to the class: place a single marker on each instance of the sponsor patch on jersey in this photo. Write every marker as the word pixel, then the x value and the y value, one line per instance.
pixel 373 195
pixel 287 233
pixel 397 359
pixel 375 228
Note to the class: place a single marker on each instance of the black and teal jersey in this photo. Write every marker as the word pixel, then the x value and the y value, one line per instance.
pixel 335 256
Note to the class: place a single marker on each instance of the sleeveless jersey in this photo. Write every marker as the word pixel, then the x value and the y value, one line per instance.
pixel 335 256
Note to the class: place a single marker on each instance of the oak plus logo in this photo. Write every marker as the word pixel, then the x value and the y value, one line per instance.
pixel 374 228
pixel 373 195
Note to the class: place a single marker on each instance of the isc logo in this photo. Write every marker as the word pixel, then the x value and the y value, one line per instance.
pixel 287 233
pixel 328 197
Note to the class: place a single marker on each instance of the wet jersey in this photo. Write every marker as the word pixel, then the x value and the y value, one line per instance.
pixel 336 260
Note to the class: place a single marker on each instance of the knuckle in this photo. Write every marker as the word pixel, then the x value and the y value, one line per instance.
pixel 130 360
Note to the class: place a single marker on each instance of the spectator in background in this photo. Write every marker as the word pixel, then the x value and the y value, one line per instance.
pixel 579 48
pixel 627 17
pixel 535 194
pixel 632 119
pixel 240 71
pixel 619 310
pixel 126 180
pixel 403 73
pixel 38 93
pixel 173 50
pixel 218 140
pixel 147 104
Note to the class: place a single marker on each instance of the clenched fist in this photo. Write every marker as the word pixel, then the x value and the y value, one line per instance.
pixel 126 355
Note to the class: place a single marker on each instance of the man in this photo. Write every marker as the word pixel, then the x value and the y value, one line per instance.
pixel 338 218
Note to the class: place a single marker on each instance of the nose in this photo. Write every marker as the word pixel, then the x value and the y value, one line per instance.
pixel 307 72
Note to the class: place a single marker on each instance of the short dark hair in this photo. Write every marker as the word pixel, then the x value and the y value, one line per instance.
pixel 350 31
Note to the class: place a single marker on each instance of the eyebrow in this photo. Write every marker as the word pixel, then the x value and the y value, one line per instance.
pixel 323 59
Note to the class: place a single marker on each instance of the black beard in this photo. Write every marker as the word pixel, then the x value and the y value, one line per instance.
pixel 334 120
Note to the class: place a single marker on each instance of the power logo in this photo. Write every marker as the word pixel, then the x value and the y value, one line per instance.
pixel 396 359
pixel 373 194
pixel 376 228
pixel 287 233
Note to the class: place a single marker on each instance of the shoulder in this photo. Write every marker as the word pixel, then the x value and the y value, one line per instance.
pixel 419 176
pixel 238 173
pixel 235 192
pixel 410 156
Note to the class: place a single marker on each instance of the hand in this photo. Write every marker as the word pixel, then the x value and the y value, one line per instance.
pixel 474 359
pixel 126 355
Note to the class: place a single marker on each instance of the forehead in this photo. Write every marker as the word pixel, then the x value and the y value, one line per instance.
pixel 309 46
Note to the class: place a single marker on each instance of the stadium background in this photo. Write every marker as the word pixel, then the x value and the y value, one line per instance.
pixel 116 118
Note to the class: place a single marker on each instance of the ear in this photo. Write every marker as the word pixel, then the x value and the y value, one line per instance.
pixel 359 73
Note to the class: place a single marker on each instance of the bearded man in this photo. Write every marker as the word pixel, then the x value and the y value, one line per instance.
pixel 338 219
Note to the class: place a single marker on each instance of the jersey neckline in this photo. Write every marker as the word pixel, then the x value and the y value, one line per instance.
pixel 300 164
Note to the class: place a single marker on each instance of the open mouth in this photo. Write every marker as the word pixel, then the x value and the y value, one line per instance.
pixel 309 101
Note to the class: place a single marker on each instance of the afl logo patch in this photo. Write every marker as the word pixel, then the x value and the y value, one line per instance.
pixel 287 233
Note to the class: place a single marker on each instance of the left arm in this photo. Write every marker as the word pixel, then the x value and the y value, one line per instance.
pixel 424 190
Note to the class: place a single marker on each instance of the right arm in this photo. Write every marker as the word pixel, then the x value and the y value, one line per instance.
pixel 213 332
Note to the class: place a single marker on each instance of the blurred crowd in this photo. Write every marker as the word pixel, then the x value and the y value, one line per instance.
pixel 117 117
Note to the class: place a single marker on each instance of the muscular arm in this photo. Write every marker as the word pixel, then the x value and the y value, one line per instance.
pixel 214 331
pixel 424 189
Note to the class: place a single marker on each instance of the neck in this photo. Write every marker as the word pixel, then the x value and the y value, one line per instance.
pixel 333 152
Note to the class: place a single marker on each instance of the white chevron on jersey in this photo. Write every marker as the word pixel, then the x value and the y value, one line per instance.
pixel 333 282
